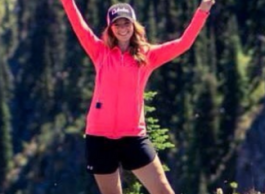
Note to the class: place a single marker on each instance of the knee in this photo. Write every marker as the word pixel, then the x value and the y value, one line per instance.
pixel 166 192
pixel 166 189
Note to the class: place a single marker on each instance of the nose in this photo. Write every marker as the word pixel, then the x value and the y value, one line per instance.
pixel 122 26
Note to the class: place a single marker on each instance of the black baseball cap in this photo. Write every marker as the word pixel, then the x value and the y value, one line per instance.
pixel 120 10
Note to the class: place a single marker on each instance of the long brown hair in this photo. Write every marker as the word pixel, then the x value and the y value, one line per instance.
pixel 138 43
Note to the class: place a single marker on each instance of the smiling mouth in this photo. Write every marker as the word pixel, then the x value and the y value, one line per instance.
pixel 123 34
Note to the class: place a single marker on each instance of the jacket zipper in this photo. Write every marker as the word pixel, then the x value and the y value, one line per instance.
pixel 117 97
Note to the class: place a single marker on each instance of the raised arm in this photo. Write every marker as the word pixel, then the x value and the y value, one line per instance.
pixel 160 54
pixel 90 42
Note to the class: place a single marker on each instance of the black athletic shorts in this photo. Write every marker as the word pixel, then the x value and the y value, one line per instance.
pixel 105 155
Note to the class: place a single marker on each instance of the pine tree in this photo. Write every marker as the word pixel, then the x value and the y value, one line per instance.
pixel 6 48
pixel 207 97
pixel 159 137
pixel 5 126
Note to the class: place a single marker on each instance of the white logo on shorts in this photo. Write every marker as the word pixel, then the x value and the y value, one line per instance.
pixel 90 167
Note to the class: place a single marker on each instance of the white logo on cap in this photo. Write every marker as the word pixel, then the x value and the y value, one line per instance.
pixel 120 10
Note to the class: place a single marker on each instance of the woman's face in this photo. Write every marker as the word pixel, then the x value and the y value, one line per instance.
pixel 122 29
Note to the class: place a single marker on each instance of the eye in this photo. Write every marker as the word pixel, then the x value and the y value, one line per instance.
pixel 128 23
pixel 121 24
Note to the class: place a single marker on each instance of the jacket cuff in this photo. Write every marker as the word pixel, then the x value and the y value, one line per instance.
pixel 202 13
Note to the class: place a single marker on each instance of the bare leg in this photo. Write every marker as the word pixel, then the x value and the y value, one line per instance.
pixel 153 178
pixel 109 183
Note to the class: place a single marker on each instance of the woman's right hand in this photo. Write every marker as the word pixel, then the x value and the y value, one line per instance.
pixel 206 5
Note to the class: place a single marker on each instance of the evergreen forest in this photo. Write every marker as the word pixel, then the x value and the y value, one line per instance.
pixel 205 109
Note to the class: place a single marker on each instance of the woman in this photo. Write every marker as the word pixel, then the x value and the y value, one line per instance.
pixel 123 59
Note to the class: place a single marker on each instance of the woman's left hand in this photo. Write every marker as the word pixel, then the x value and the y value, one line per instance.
pixel 206 5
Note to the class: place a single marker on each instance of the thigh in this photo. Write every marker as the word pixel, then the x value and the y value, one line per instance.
pixel 136 152
pixel 101 155
pixel 153 178
pixel 109 183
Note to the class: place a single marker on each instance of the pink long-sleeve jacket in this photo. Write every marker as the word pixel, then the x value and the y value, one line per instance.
pixel 117 106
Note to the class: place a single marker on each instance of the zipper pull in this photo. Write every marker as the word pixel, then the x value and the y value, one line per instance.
pixel 98 105
pixel 122 57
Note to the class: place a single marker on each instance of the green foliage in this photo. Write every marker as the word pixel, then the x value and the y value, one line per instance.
pixel 208 97
pixel 132 185
pixel 7 43
pixel 234 186
pixel 6 151
pixel 159 138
